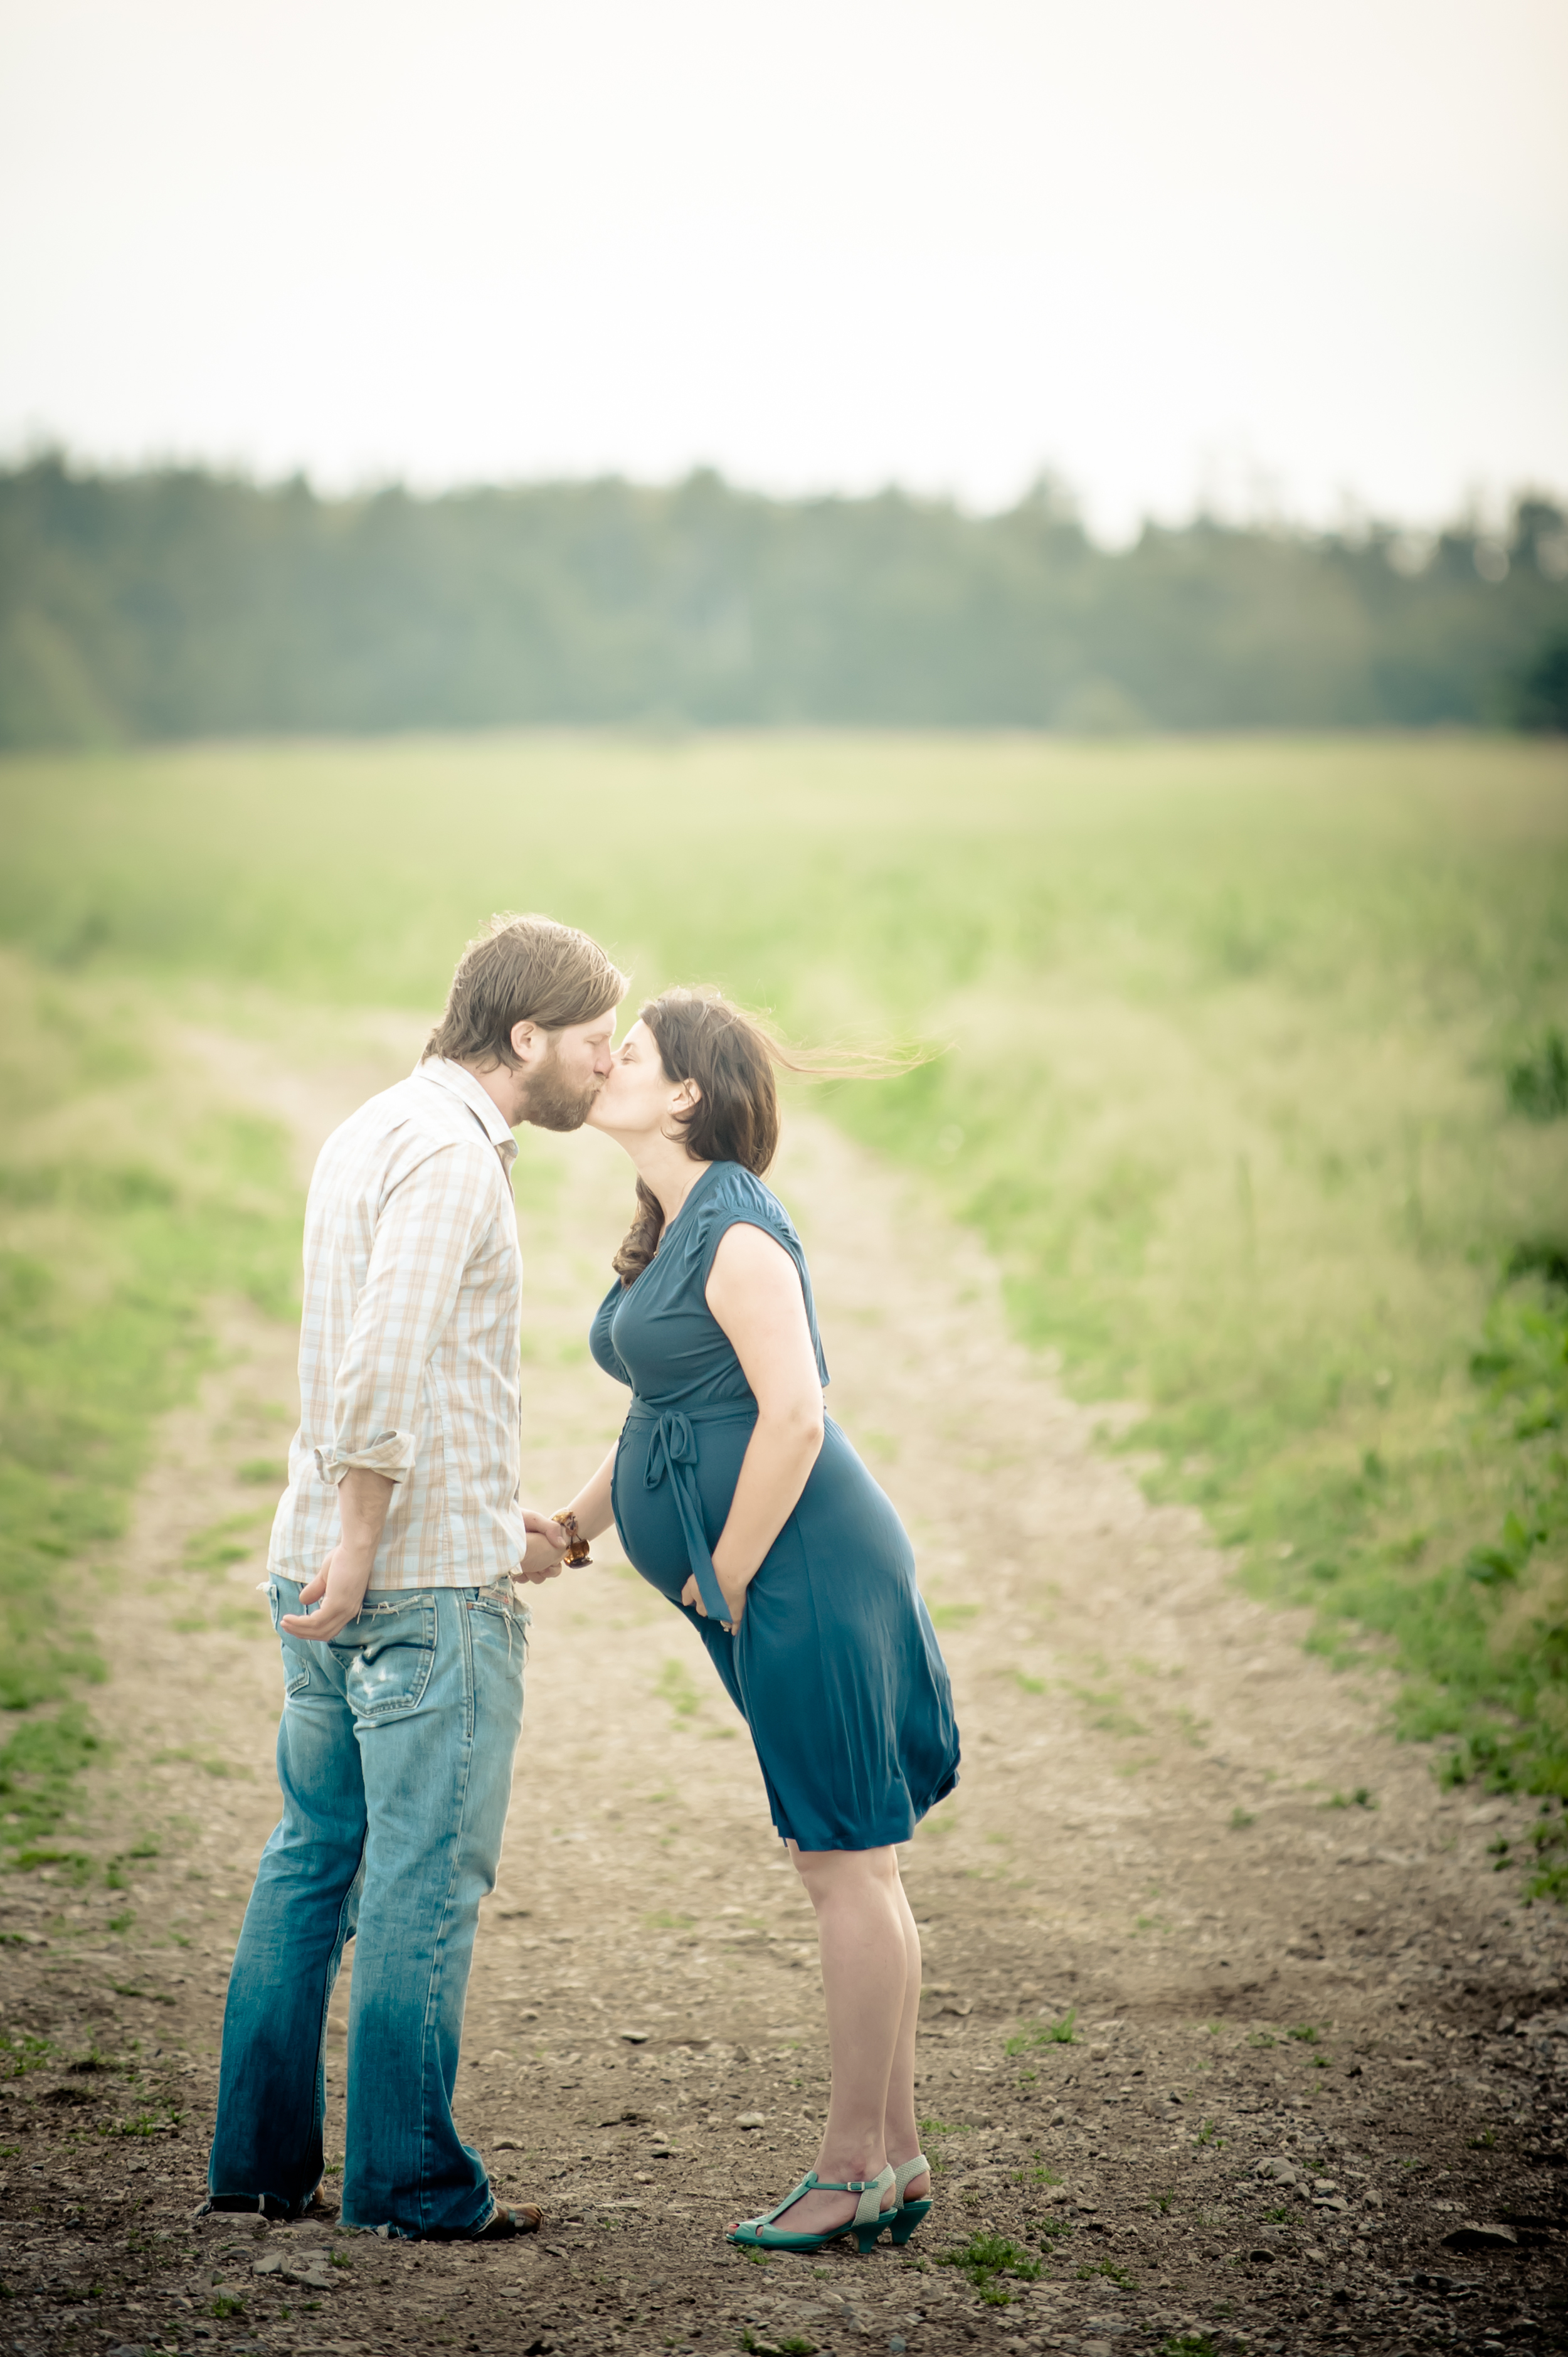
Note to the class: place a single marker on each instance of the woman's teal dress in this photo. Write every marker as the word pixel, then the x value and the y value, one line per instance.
pixel 835 1665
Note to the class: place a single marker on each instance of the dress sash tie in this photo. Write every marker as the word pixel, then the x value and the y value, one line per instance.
pixel 672 1451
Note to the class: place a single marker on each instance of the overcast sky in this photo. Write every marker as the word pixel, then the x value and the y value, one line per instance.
pixel 1271 252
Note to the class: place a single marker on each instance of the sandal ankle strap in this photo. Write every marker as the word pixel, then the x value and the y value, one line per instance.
pixel 869 2206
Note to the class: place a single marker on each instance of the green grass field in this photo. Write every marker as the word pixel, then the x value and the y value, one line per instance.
pixel 1248 1079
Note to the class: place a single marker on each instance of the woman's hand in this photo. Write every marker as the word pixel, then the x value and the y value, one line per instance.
pixel 734 1596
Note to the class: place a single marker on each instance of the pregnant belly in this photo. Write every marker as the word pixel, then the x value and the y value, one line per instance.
pixel 843 1518
pixel 645 1511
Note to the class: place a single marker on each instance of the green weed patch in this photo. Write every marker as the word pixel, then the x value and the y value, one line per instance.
pixel 676 1687
pixel 21 2052
pixel 108 1257
pixel 1538 1081
pixel 39 1766
pixel 985 2261
pixel 1035 2034
pixel 1108 2270
pixel 1485 1634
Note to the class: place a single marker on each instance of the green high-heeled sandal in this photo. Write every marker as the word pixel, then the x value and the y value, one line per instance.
pixel 867 2223
pixel 904 2219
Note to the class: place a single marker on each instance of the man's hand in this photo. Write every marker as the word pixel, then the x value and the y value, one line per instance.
pixel 362 1502
pixel 342 1580
pixel 543 1555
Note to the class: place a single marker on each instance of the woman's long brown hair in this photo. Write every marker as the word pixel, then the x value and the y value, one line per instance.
pixel 729 1059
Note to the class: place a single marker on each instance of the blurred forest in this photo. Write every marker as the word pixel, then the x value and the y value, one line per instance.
pixel 181 603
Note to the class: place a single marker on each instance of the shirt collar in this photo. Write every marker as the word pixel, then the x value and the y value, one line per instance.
pixel 458 1078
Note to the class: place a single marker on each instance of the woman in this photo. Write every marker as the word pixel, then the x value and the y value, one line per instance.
pixel 746 1507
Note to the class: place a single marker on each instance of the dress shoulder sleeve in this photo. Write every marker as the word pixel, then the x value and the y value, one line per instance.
pixel 736 1199
pixel 739 1199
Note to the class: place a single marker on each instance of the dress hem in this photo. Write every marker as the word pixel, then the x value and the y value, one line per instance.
pixel 881 1841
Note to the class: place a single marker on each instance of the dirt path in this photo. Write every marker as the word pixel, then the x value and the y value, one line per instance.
pixel 1155 1835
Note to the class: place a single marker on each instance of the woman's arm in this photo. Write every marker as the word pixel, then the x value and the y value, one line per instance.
pixel 592 1503
pixel 754 1292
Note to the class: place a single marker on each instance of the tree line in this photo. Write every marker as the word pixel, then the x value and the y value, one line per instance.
pixel 178 602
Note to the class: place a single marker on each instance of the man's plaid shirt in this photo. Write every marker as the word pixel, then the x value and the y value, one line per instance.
pixel 408 1351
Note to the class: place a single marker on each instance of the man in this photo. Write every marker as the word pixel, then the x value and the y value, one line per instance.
pixel 389 1575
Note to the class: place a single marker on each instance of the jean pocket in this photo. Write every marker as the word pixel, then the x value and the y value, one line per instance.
pixel 388 1654
pixel 498 1609
pixel 296 1656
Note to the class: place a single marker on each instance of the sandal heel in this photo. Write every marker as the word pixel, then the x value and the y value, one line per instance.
pixel 904 2219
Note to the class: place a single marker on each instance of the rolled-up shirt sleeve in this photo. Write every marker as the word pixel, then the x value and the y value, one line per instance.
pixel 426 1231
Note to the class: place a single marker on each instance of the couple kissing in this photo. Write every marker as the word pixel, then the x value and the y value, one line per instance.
pixel 399 1545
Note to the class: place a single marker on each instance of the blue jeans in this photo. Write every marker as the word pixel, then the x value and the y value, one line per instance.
pixel 394 1756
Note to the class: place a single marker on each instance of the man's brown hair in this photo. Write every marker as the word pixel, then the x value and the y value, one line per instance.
pixel 522 970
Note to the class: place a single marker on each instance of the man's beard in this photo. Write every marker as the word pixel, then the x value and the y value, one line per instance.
pixel 552 1101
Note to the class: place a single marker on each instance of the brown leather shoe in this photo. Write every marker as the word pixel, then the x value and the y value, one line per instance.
pixel 526 2218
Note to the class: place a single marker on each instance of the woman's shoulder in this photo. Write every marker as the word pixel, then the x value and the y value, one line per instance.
pixel 735 1192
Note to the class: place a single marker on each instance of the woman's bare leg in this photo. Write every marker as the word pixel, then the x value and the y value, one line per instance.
pixel 865 1950
pixel 901 2127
